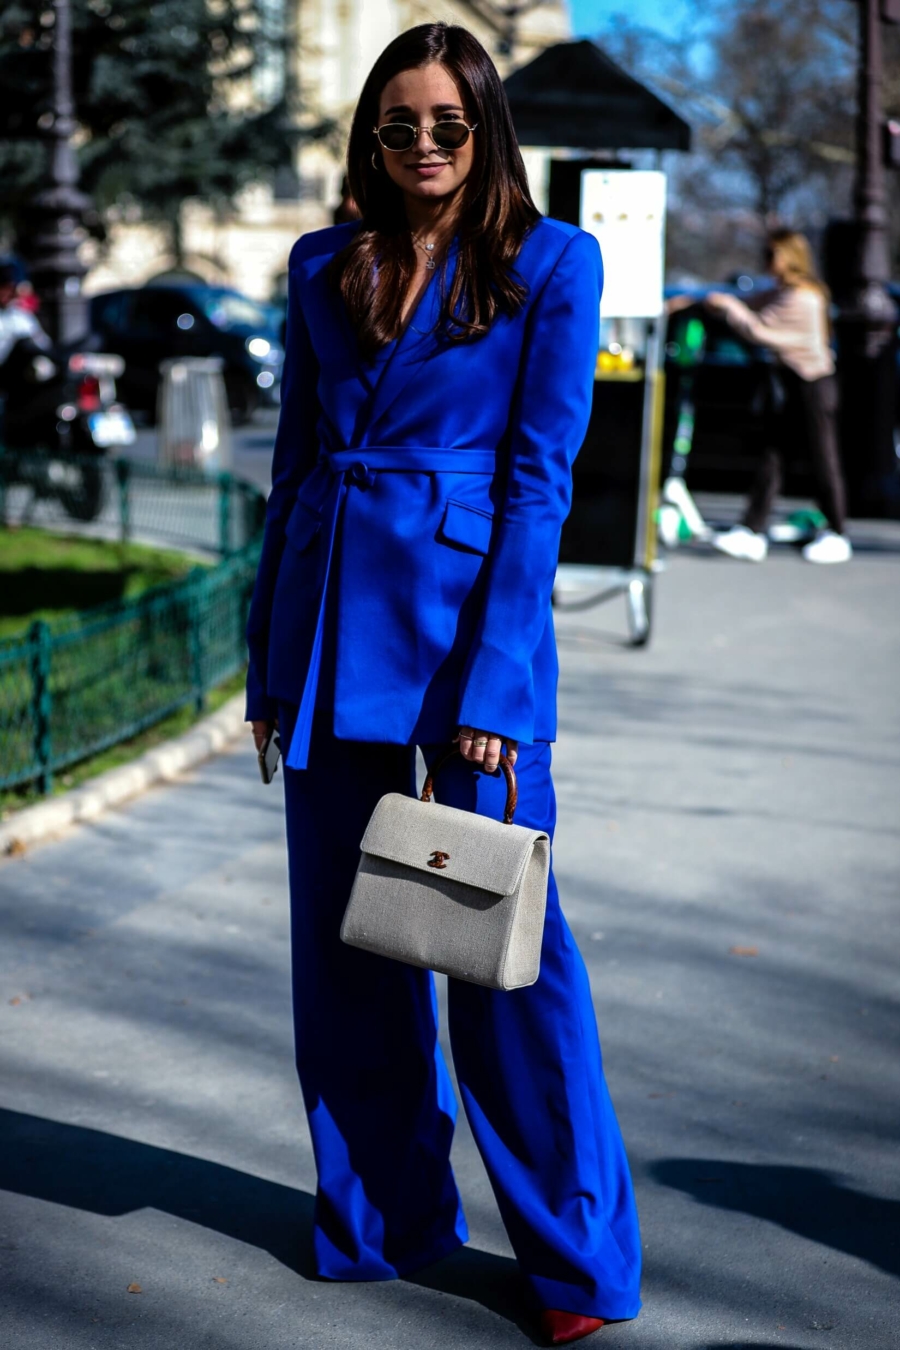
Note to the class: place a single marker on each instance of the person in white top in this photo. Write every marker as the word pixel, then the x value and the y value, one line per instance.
pixel 792 321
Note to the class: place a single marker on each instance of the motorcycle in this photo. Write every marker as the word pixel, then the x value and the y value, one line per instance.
pixel 61 408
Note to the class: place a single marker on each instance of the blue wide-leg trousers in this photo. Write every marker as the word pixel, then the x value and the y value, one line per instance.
pixel 380 1103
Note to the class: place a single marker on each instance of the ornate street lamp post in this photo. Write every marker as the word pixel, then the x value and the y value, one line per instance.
pixel 58 208
pixel 867 325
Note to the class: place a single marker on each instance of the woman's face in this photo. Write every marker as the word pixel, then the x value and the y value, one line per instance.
pixel 420 98
pixel 776 262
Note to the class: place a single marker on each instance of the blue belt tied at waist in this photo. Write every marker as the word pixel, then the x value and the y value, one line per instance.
pixel 358 468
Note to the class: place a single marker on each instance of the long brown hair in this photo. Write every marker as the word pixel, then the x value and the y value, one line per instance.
pixel 375 268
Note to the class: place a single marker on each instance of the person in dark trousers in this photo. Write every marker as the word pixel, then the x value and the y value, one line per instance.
pixel 437 387
pixel 801 399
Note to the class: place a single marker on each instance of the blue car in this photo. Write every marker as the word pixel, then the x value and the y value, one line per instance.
pixel 152 323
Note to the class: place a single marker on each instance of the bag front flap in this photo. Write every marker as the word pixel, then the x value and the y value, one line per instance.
pixel 452 844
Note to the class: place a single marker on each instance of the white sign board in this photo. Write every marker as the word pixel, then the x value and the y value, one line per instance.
pixel 626 211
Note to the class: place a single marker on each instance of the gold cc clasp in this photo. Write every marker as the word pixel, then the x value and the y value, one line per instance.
pixel 438 859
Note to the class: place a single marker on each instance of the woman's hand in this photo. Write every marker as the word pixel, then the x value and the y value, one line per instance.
pixel 676 303
pixel 261 731
pixel 483 747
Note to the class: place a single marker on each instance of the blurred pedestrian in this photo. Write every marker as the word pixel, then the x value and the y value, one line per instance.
pixel 18 324
pixel 27 298
pixel 437 387
pixel 801 397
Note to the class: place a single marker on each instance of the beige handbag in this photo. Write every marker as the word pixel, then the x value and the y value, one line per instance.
pixel 450 890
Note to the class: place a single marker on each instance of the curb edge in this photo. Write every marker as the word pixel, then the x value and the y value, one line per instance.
pixel 162 764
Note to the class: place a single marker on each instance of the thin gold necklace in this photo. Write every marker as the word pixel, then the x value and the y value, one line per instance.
pixel 428 250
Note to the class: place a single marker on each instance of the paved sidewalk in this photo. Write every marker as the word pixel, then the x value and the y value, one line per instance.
pixel 728 859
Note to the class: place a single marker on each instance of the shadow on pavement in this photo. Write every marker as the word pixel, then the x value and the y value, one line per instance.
pixel 493 1281
pixel 103 1173
pixel 106 1174
pixel 804 1200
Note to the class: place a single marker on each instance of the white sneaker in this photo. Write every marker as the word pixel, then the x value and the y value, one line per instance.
pixel 828 547
pixel 739 542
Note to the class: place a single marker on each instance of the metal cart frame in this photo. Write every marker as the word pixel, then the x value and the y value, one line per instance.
pixel 634 582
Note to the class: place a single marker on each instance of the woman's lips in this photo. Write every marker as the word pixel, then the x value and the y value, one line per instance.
pixel 426 170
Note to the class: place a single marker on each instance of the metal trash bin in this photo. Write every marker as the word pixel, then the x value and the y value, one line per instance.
pixel 194 424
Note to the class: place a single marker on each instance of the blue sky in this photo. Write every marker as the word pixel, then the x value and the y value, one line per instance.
pixel 589 16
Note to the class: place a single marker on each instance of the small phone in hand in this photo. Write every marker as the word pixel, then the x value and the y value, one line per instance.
pixel 268 756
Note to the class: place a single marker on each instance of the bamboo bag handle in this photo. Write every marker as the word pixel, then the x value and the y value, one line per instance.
pixel 512 787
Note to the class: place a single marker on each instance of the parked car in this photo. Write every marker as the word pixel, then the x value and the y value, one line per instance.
pixel 894 288
pixel 150 324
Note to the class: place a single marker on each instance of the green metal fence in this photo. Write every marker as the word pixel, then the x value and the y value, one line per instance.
pixel 215 515
pixel 74 687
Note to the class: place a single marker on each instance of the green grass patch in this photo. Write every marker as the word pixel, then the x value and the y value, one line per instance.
pixel 14 799
pixel 128 643
pixel 51 576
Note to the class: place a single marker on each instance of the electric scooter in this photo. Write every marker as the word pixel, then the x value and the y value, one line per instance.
pixel 679 517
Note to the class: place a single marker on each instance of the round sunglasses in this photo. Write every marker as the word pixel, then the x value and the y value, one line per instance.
pixel 449 135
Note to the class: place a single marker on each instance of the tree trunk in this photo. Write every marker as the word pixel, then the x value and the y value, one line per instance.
pixel 174 227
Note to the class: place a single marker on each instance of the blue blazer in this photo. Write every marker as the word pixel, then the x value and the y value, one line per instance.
pixel 417 503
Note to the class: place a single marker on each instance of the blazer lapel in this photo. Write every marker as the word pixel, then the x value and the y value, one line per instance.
pixel 335 331
pixel 347 383
pixel 416 345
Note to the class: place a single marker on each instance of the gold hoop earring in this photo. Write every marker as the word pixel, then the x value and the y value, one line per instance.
pixel 375 165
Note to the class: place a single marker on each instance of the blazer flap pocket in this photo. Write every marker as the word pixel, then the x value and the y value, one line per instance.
pixel 466 526
pixel 303 525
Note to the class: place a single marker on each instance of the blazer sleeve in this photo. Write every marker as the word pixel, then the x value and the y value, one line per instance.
pixel 549 421
pixel 294 455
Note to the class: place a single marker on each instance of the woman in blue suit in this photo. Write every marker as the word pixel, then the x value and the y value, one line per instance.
pixel 437 387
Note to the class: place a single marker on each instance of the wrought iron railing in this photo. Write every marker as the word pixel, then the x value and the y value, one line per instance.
pixel 73 687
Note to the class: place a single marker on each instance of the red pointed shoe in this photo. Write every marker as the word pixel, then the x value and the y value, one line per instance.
pixel 562 1327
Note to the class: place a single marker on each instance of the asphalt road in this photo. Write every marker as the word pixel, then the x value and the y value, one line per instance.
pixel 251 447
pixel 159 514
pixel 728 859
